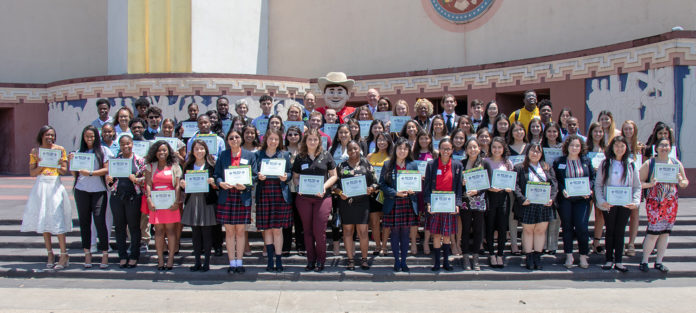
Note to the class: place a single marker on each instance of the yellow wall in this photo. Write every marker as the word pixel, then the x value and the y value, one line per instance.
pixel 159 36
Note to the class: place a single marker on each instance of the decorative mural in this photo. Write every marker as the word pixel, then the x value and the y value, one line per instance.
pixel 461 11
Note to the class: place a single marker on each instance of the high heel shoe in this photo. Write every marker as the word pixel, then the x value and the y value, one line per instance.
pixel 104 261
pixel 64 261
pixel 51 261
pixel 88 260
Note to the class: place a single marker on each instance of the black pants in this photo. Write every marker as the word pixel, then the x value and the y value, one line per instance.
pixel 615 221
pixel 202 238
pixel 496 220
pixel 217 236
pixel 299 231
pixel 575 214
pixel 126 211
pixel 92 205
pixel 472 227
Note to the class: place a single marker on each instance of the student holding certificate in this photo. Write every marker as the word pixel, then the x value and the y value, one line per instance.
pixel 629 129
pixel 496 216
pixel 517 143
pixel 534 217
pixel 400 207
pixel 661 202
pixel 552 144
pixel 162 175
pixel 234 200
pixel 354 127
pixel 292 145
pixel 377 159
pixel 616 171
pixel 273 211
pixel 376 128
pixel 409 131
pixel 424 151
pixel 339 152
pixel 443 174
pixel 314 207
pixel 49 209
pixel 574 170
pixel 199 207
pixel 473 208
pixel 90 192
pixel 125 202
pixel 595 145
pixel 205 128
pixel 354 202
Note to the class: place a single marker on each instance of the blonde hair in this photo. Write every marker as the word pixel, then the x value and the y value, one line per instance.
pixel 424 102
pixel 633 142
pixel 295 106
pixel 404 103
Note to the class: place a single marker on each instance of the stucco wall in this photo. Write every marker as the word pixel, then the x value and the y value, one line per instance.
pixel 368 37
pixel 47 40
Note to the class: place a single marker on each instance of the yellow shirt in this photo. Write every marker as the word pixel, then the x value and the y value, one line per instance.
pixel 525 117
pixel 49 171
pixel 377 159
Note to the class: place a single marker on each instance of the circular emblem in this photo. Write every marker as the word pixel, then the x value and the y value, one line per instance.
pixel 461 11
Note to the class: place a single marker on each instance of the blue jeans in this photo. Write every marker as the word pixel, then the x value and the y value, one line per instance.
pixel 575 214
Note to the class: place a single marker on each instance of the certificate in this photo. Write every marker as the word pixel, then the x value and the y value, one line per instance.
pixel 196 181
pixel 354 186
pixel 298 124
pixel 538 193
pixel 398 122
pixel 330 129
pixel 140 147
pixel 262 125
pixel 273 167
pixel 476 179
pixel 666 173
pixel 457 157
pixel 210 141
pixel 422 165
pixel 504 179
pixel 365 128
pixel 436 144
pixel 173 142
pixel 442 202
pixel 577 187
pixel 324 143
pixel 551 154
pixel 408 180
pixel 190 129
pixel 619 195
pixel 226 125
pixel 383 116
pixel 238 175
pixel 82 161
pixel 120 167
pixel 596 158
pixel 311 184
pixel 50 157
pixel 516 159
pixel 378 171
pixel 163 199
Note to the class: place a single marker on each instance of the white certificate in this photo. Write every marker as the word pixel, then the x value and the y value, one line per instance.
pixel 82 161
pixel 619 195
pixel 190 129
pixel 163 199
pixel 365 128
pixel 120 167
pixel 476 179
pixel 408 180
pixel 551 154
pixel 666 173
pixel 238 175
pixel 311 184
pixel 330 129
pixel 210 141
pixel 383 116
pixel 273 167
pixel 577 187
pixel 173 142
pixel 436 144
pixel 354 186
pixel 504 179
pixel 422 166
pixel 442 202
pixel 596 158
pixel 140 147
pixel 538 193
pixel 378 171
pixel 398 122
pixel 458 157
pixel 262 125
pixel 50 157
pixel 516 159
pixel 226 125
pixel 196 181
pixel 298 124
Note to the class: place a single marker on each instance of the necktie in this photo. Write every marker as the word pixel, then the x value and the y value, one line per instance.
pixel 449 123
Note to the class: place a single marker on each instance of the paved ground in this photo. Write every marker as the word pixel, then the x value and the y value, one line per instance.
pixel 25 286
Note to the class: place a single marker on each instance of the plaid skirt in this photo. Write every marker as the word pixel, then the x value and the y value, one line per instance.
pixel 233 212
pixel 536 213
pixel 401 215
pixel 271 209
pixel 444 224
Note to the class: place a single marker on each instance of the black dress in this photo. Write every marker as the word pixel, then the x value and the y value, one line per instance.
pixel 355 210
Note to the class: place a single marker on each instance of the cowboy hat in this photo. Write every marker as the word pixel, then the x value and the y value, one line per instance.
pixel 335 78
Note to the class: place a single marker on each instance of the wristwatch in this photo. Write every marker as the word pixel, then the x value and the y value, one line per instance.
pixel 90 173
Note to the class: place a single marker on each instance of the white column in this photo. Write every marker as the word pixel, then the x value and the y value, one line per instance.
pixel 117 37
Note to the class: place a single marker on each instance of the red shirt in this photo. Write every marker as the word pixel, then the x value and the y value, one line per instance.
pixel 235 159
pixel 443 182
pixel 341 114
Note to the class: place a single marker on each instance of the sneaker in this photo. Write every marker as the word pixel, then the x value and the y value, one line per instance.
pixel 643 267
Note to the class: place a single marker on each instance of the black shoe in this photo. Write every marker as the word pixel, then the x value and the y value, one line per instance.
pixel 529 261
pixel 404 268
pixel 218 251
pixel 286 254
pixel 644 267
pixel 279 269
pixel 195 268
pixel 169 268
pixel 134 265
pixel 607 266
pixel 231 270
pixel 435 268
pixel 161 268
pixel 205 268
pixel 537 261
pixel 301 252
pixel 448 268
pixel 351 265
pixel 397 267
pixel 310 267
pixel 620 268
pixel 320 267
pixel 240 269
pixel 270 269
pixel 660 267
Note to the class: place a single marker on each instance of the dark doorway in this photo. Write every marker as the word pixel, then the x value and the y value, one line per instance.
pixel 7 139
pixel 508 102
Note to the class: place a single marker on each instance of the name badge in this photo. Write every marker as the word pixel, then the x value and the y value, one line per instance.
pixel 304 166
pixel 243 161
pixel 561 166
pixel 168 172
pixel 439 172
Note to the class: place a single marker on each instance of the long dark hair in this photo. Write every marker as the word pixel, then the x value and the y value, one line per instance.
pixel 538 147
pixel 590 137
pixel 152 153
pixel 506 150
pixel 390 166
pixel 96 146
pixel 511 138
pixel 417 146
pixel 278 133
pixel 387 137
pixel 192 158
pixel 335 143
pixel 610 155
pixel 486 119
pixel 404 133
pixel 304 150
pixel 496 133
pixel 545 141
pixel 652 140
pixel 292 129
pixel 479 157
pixel 244 130
pixel 370 136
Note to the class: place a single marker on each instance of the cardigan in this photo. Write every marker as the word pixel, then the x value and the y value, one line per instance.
pixel 632 180
pixel 523 178
pixel 389 189
pixel 431 179
pixel 587 170
pixel 224 160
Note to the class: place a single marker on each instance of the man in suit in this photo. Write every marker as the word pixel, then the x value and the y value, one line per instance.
pixel 448 105
pixel 154 120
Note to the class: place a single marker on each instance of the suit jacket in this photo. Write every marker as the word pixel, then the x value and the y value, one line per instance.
pixel 261 154
pixel 224 160
pixel 560 169
pixel 389 188
pixel 455 121
pixel 431 180
pixel 523 178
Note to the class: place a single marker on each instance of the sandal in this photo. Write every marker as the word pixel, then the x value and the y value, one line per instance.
pixel 364 265
pixel 51 261
pixel 660 267
pixel 88 260
pixel 493 261
pixel 351 265
pixel 105 261
pixel 64 261
pixel 631 250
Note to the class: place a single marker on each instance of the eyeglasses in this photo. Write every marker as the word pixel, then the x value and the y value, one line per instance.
pixel 233 138
pixel 293 135
pixel 153 117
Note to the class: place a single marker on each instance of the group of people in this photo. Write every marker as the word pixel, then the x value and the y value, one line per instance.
pixel 326 146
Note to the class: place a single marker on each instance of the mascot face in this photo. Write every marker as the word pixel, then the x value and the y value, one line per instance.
pixel 336 97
